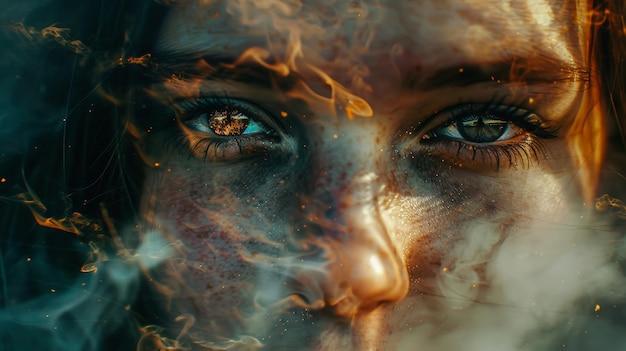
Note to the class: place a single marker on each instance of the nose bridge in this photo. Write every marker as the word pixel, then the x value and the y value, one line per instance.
pixel 364 268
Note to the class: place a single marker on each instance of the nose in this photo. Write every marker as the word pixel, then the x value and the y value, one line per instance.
pixel 363 267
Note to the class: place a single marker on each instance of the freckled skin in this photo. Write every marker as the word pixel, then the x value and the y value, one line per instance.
pixel 333 245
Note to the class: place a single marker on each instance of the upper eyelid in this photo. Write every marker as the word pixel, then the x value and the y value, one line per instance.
pixel 449 116
pixel 269 120
pixel 508 110
pixel 201 102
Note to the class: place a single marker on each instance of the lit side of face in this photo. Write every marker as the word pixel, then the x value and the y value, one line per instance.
pixel 341 175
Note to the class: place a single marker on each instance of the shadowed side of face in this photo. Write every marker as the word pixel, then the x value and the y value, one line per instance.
pixel 363 176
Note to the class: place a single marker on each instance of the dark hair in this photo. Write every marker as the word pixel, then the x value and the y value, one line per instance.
pixel 68 164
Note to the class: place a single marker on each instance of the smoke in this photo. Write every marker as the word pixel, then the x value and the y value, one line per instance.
pixel 552 283
pixel 544 286
pixel 62 293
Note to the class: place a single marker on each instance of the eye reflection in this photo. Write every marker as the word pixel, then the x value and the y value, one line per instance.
pixel 227 124
pixel 220 129
pixel 484 124
pixel 224 119
pixel 481 136
pixel 481 129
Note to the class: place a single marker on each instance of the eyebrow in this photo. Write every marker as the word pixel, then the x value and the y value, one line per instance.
pixel 215 67
pixel 533 70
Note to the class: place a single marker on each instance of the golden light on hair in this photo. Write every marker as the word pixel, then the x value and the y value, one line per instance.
pixel 587 140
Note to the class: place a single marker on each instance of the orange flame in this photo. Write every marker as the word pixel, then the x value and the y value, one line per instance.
pixel 143 60
pixel 51 33
pixel 75 223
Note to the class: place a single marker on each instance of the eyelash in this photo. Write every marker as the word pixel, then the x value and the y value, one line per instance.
pixel 522 149
pixel 219 147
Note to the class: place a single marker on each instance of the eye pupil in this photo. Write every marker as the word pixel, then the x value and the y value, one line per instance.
pixel 228 122
pixel 479 129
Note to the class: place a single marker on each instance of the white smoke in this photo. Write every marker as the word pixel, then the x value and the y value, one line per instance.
pixel 544 286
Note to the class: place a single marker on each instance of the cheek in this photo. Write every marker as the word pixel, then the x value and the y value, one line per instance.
pixel 233 225
pixel 451 227
pixel 222 232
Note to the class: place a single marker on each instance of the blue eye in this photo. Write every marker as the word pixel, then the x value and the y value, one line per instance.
pixel 480 129
pixel 476 136
pixel 224 129
pixel 227 119
pixel 482 124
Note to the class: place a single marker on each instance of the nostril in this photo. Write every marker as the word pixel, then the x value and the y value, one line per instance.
pixel 360 265
pixel 308 302
pixel 364 274
pixel 305 285
pixel 350 278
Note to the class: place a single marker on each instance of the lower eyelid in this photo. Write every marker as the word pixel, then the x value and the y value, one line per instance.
pixel 227 149
pixel 198 137
pixel 522 151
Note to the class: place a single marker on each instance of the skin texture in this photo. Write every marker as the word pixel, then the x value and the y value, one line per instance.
pixel 352 226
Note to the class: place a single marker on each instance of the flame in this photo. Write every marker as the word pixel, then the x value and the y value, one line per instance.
pixel 144 60
pixel 260 56
pixel 341 96
pixel 293 32
pixel 51 33
pixel 75 223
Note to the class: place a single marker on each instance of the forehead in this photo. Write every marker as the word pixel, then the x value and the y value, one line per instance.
pixel 432 32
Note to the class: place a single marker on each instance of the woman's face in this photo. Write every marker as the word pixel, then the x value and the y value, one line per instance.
pixel 368 176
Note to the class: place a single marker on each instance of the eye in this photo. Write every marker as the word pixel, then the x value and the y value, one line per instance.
pixel 478 125
pixel 484 135
pixel 228 120
pixel 224 129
